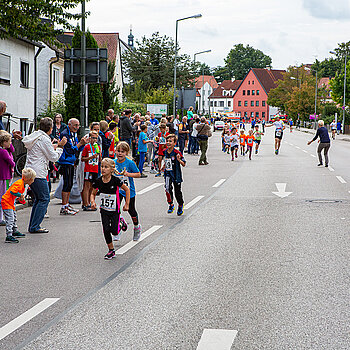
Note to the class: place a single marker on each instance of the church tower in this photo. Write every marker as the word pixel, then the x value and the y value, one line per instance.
pixel 131 39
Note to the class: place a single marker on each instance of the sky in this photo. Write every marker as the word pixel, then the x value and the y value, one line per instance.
pixel 291 32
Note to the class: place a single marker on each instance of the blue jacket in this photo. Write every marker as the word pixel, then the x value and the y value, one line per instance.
pixel 70 149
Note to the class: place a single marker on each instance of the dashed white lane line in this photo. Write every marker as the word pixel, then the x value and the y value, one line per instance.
pixel 305 151
pixel 150 188
pixel 217 339
pixel 330 168
pixel 297 147
pixel 132 244
pixel 193 202
pixel 291 144
pixel 341 179
pixel 26 316
pixel 312 155
pixel 219 183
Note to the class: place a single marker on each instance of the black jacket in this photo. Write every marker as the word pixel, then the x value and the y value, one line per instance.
pixel 125 128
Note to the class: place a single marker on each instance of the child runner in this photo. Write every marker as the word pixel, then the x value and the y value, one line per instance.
pixel 16 191
pixel 142 148
pixel 242 137
pixel 6 166
pixel 108 186
pixel 162 146
pixel 173 160
pixel 227 138
pixel 257 135
pixel 91 155
pixel 234 141
pixel 250 142
pixel 128 171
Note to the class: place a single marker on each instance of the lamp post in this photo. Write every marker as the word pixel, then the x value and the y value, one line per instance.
pixel 83 122
pixel 177 22
pixel 346 56
pixel 194 58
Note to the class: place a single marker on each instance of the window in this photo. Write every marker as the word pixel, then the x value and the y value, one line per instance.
pixel 243 92
pixel 211 103
pixel 256 103
pixel 248 92
pixel 251 103
pixel 252 114
pixel 239 103
pixel 253 92
pixel 263 103
pixel 215 104
pixel 228 103
pixel 24 126
pixel 258 92
pixel 256 114
pixel 245 103
pixel 245 114
pixel 24 74
pixel 263 114
pixel 221 104
pixel 253 82
pixel 56 79
pixel 5 64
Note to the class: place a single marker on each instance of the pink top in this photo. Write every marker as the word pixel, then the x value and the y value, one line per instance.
pixel 6 163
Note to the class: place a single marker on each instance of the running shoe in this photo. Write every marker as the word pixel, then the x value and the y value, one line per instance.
pixel 11 239
pixel 47 216
pixel 171 208
pixel 116 237
pixel 73 209
pixel 158 175
pixel 276 151
pixel 18 234
pixel 2 223
pixel 233 158
pixel 180 210
pixel 110 255
pixel 256 151
pixel 152 171
pixel 144 176
pixel 137 232
pixel 122 224
pixel 67 211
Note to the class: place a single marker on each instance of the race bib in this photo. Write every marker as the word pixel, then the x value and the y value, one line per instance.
pixel 278 133
pixel 162 141
pixel 93 161
pixel 108 202
pixel 168 164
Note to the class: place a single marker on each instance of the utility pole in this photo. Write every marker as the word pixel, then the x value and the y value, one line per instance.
pixel 83 74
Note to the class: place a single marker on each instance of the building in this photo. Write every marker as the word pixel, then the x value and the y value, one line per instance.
pixel 250 99
pixel 325 95
pixel 204 85
pixel 17 81
pixel 221 100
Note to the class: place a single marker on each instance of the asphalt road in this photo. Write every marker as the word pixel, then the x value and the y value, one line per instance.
pixel 275 270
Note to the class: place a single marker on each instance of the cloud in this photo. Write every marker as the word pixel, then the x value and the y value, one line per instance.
pixel 325 9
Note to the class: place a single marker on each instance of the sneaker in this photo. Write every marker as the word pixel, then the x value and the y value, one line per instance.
pixel 171 208
pixel 153 171
pixel 158 175
pixel 122 224
pixel 67 211
pixel 137 232
pixel 180 210
pixel 11 239
pixel 256 151
pixel 232 158
pixel 2 223
pixel 72 209
pixel 18 234
pixel 110 255
pixel 116 237
pixel 143 176
pixel 47 216
pixel 319 164
pixel 326 166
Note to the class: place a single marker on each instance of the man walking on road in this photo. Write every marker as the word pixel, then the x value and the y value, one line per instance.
pixel 325 143
pixel 204 132
pixel 278 133
pixel 126 129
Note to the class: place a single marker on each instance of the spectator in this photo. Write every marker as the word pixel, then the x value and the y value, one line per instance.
pixel 204 132
pixel 190 113
pixel 339 127
pixel 154 120
pixel 58 127
pixel 2 111
pixel 109 116
pixel 126 129
pixel 170 124
pixel 40 152
pixel 106 137
pixel 183 134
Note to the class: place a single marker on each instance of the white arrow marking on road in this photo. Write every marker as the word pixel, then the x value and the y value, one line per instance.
pixel 26 316
pixel 330 168
pixel 150 188
pixel 217 339
pixel 131 244
pixel 219 183
pixel 193 202
pixel 281 188
pixel 341 179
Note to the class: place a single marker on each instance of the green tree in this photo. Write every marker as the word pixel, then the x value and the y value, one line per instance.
pixel 135 92
pixel 221 74
pixel 72 93
pixel 327 68
pixel 136 107
pixel 240 59
pixel 57 107
pixel 202 69
pixel 110 91
pixel 24 18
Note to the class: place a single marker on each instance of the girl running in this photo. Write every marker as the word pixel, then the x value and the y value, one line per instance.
pixel 242 137
pixel 257 135
pixel 250 142
pixel 108 186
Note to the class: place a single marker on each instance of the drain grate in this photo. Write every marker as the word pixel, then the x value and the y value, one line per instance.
pixel 324 201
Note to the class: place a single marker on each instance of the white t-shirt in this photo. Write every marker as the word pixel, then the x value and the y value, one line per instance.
pixel 278 125
pixel 333 125
pixel 195 131
pixel 234 139
pixel 227 139
pixel 176 123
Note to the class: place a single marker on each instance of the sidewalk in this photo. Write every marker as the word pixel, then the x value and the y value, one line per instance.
pixel 340 137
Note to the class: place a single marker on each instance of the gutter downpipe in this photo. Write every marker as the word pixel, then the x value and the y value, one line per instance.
pixel 51 64
pixel 35 85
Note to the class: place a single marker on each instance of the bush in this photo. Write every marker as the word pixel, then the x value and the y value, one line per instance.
pixel 136 107
pixel 57 107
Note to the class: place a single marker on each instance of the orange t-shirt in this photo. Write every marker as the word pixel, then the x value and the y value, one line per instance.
pixel 8 199
pixel 242 139
pixel 250 140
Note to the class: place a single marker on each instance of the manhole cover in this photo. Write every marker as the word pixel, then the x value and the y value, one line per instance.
pixel 324 201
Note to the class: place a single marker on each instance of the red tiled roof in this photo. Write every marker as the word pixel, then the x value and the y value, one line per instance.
pixel 268 77
pixel 207 79
pixel 324 82
pixel 226 85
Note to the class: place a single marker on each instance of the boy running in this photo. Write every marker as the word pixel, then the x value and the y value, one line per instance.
pixel 162 145
pixel 250 142
pixel 242 137
pixel 234 141
pixel 257 135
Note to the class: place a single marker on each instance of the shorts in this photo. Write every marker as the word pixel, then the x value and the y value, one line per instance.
pixel 234 147
pixel 258 141
pixel 89 176
pixel 67 172
pixel 279 137
pixel 161 152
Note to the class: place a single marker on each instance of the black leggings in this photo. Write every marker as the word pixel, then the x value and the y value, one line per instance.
pixel 132 210
pixel 110 224
pixel 169 184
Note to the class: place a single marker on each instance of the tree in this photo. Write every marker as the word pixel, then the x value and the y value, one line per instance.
pixel 152 63
pixel 24 18
pixel 221 74
pixel 202 69
pixel 135 92
pixel 72 93
pixel 110 91
pixel 161 95
pixel 327 68
pixel 240 59
pixel 57 107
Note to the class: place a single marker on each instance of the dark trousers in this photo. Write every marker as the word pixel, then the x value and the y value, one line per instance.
pixel 323 146
pixel 194 145
pixel 203 145
pixel 169 185
pixel 182 141
pixel 110 224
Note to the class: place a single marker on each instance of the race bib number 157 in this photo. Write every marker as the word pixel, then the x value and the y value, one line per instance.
pixel 108 202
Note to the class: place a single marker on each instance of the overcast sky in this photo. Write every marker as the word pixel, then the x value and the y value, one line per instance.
pixel 290 31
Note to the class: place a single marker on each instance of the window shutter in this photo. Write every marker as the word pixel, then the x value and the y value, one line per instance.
pixel 5 67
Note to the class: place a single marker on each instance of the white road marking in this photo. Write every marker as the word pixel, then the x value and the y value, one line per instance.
pixel 297 147
pixel 132 244
pixel 341 179
pixel 291 144
pixel 217 339
pixel 219 183
pixel 150 188
pixel 26 316
pixel 305 151
pixel 193 202
pixel 330 168
pixel 281 188
pixel 312 155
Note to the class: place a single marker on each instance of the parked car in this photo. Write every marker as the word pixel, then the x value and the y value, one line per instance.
pixel 219 125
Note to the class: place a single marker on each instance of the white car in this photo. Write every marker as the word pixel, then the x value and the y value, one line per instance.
pixel 219 125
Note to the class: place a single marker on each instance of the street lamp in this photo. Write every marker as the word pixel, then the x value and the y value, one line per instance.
pixel 346 56
pixel 194 57
pixel 177 22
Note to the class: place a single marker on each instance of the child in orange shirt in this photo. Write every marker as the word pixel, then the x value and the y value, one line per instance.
pixel 16 191
pixel 242 137
pixel 250 142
